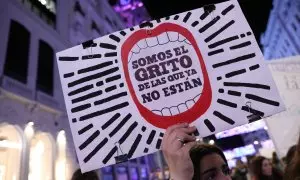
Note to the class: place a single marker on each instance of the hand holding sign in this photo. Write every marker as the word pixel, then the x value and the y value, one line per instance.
pixel 191 68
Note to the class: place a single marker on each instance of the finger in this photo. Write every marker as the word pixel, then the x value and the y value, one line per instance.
pixel 176 126
pixel 184 137
pixel 188 130
pixel 188 146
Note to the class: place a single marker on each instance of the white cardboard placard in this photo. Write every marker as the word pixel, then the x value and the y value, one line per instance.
pixel 124 89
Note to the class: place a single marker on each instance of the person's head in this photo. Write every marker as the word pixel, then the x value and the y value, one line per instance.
pixel 261 167
pixel 292 171
pixel 209 163
pixel 290 154
pixel 240 164
pixel 85 176
pixel 275 158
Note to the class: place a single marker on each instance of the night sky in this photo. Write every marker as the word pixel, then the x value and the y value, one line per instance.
pixel 256 11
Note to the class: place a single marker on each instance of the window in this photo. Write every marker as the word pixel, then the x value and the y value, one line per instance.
pixel 16 64
pixel 44 81
pixel 77 8
pixel 95 27
pixel 294 27
pixel 297 18
pixel 287 43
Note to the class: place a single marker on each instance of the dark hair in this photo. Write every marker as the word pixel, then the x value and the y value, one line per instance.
pixel 290 154
pixel 85 176
pixel 292 171
pixel 256 169
pixel 201 150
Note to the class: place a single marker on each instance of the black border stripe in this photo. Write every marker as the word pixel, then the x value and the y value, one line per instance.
pixel 204 15
pixel 235 60
pixel 215 52
pixel 95 150
pixel 210 24
pixel 195 23
pixel 110 98
pixel 249 85
pixel 215 34
pixel 262 100
pixel 254 67
pixel 242 45
pixel 123 33
pixel 114 37
pixel 91 56
pixel 111 54
pixel 110 154
pixel 93 77
pixel 86 97
pixel 64 58
pixel 227 10
pixel 110 121
pixel 176 17
pixel 96 67
pixel 108 46
pixel 234 93
pixel 128 132
pixel 158 143
pixel 227 103
pixel 224 41
pixel 67 75
pixel 151 136
pixel 209 125
pixel 223 117
pixel 89 140
pixel 134 146
pixel 110 88
pixel 104 111
pixel 80 108
pixel 85 129
pixel 100 83
pixel 187 17
pixel 253 111
pixel 120 125
pixel 80 90
pixel 113 78
pixel 235 73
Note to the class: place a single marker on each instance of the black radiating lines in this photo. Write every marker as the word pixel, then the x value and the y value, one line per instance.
pixel 195 23
pixel 227 10
pixel 204 15
pixel 253 111
pixel 215 34
pixel 208 25
pixel 234 93
pixel 96 67
pixel 64 58
pixel 249 85
pixel 262 100
pixel 110 154
pixel 242 45
pixel 128 132
pixel 115 38
pixel 235 60
pixel 123 33
pixel 120 125
pixel 89 140
pixel 67 75
pixel 80 90
pixel 176 17
pixel 111 88
pixel 85 129
pixel 113 78
pixel 104 111
pixel 111 54
pixel 158 143
pixel 235 73
pixel 254 67
pixel 80 108
pixel 223 41
pixel 209 125
pixel 91 56
pixel 110 121
pixel 151 136
pixel 95 150
pixel 108 46
pixel 88 96
pixel 134 145
pixel 215 52
pixel 227 103
pixel 110 98
pixel 187 17
pixel 223 117
pixel 92 77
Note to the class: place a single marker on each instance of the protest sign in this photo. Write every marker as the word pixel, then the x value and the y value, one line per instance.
pixel 202 67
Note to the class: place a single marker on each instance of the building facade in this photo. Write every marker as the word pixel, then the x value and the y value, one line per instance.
pixel 282 37
pixel 35 138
